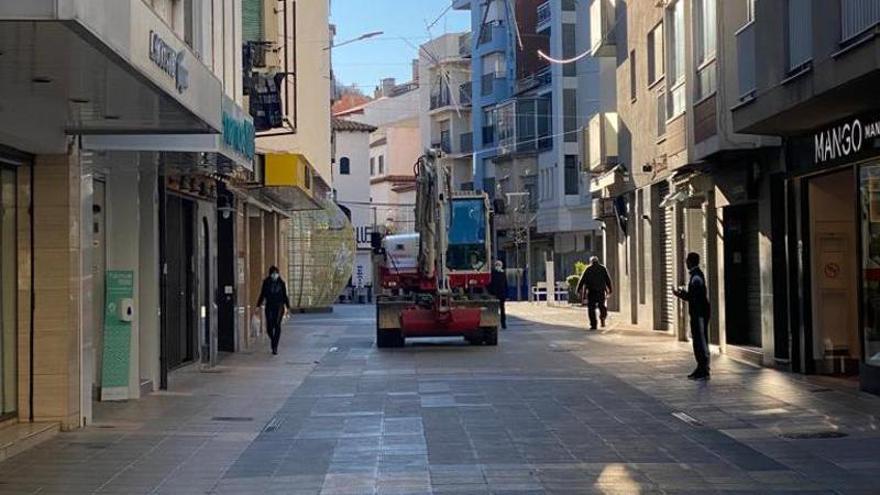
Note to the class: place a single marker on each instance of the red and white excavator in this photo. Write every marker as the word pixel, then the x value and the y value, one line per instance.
pixel 434 282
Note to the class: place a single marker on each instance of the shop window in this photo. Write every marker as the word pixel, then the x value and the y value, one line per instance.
pixel 870 185
pixel 8 290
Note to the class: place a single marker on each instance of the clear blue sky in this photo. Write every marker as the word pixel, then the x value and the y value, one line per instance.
pixel 366 62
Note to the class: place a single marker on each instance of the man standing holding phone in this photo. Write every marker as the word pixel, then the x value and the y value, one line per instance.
pixel 699 312
pixel 595 283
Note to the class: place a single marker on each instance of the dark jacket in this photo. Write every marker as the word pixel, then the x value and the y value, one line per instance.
pixel 498 287
pixel 697 295
pixel 596 280
pixel 274 294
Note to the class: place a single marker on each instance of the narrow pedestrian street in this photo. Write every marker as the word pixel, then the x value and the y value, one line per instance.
pixel 553 409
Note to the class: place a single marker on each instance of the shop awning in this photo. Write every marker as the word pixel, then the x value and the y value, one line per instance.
pixel 98 67
pixel 289 179
pixel 227 151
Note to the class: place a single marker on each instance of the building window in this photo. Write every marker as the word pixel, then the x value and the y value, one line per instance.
pixel 706 43
pixel 544 110
pixel 489 187
pixel 569 48
pixel 572 175
pixel 381 164
pixel 570 115
pixel 655 55
pixel 675 79
pixel 632 75
pixel 857 18
pixel 344 166
pixel 800 34
pixel 372 166
pixel 488 125
pixel 494 68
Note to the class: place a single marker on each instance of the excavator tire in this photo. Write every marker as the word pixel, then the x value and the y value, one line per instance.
pixel 490 336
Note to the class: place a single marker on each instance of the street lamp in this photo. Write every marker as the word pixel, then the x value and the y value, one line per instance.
pixel 355 40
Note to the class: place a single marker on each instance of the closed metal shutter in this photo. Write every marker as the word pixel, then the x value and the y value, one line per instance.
pixel 753 284
pixel 667 300
pixel 252 20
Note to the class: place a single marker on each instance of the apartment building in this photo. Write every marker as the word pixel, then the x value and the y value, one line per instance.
pixel 288 81
pixel 351 171
pixel 113 165
pixel 395 146
pixel 808 73
pixel 672 176
pixel 445 103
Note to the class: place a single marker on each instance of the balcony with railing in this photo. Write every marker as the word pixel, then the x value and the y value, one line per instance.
pixel 492 37
pixel 745 52
pixel 857 17
pixel 545 16
pixel 440 99
pixel 541 78
pixel 524 125
pixel 603 17
pixel 465 94
pixel 602 146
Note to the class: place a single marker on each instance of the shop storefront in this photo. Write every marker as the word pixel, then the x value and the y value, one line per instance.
pixel 14 225
pixel 833 195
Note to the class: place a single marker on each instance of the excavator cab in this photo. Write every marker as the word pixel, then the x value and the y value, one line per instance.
pixel 467 251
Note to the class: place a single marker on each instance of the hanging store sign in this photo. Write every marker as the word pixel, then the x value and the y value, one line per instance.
pixel 239 135
pixel 170 61
pixel 844 140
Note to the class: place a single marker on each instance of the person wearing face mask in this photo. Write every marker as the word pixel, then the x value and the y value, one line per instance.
pixel 273 298
pixel 498 288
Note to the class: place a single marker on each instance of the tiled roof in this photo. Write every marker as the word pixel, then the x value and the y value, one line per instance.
pixel 351 126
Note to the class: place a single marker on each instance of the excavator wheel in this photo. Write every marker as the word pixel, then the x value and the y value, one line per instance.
pixel 490 336
pixel 389 338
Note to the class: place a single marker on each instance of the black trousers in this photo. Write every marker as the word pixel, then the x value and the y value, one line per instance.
pixel 503 313
pixel 700 339
pixel 594 302
pixel 273 324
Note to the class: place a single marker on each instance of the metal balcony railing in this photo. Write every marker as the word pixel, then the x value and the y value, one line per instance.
pixel 465 94
pixel 545 14
pixel 441 99
pixel 857 17
pixel 446 141
pixel 745 50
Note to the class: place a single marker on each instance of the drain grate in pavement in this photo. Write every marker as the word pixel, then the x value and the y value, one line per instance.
pixel 687 418
pixel 273 425
pixel 814 435
pixel 232 419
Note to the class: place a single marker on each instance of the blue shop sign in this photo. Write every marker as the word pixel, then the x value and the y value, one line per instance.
pixel 239 135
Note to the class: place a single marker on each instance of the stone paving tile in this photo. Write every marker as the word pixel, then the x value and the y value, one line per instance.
pixel 553 409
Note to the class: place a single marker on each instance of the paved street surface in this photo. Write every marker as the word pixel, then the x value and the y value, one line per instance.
pixel 553 409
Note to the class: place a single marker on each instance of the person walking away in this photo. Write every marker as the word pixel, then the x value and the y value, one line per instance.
pixel 595 283
pixel 699 312
pixel 273 297
pixel 498 288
